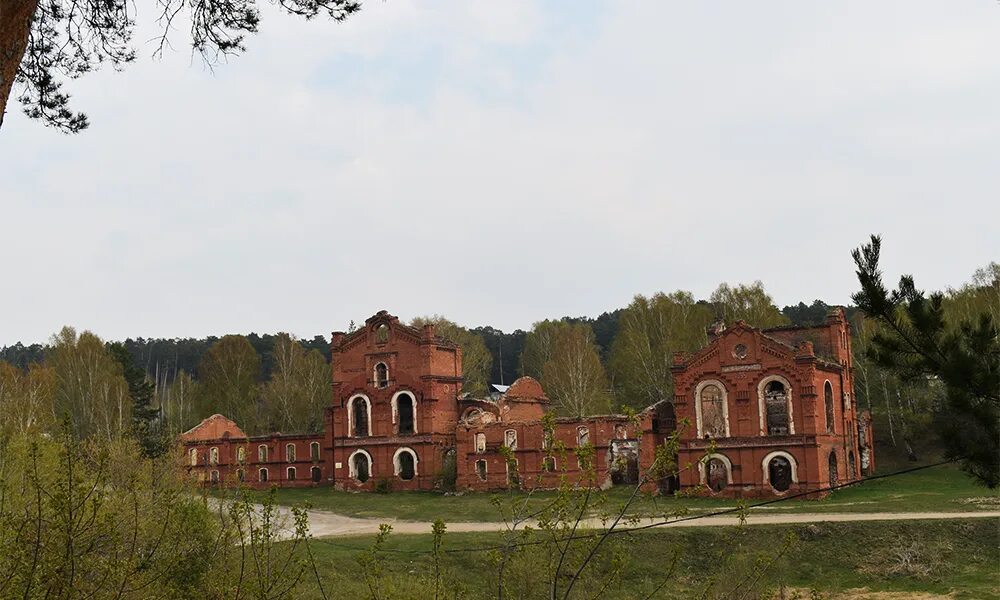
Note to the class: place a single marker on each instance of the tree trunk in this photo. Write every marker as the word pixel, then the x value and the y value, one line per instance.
pixel 15 25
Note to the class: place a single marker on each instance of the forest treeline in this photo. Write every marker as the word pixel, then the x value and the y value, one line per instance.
pixel 160 387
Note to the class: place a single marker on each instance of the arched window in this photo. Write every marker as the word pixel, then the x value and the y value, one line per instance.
pixel 776 409
pixel 549 464
pixel 241 454
pixel 241 475
pixel 360 466
pixel 193 456
pixel 716 474
pixel 513 473
pixel 833 469
pixel 214 477
pixel 213 456
pixel 510 439
pixel 262 475
pixel 828 402
pixel 291 474
pixel 582 436
pixel 405 463
pixel 317 474
pixel 481 470
pixel 360 413
pixel 852 466
pixel 314 451
pixel 779 473
pixel 712 411
pixel 262 453
pixel 382 334
pixel 290 452
pixel 381 375
pixel 480 443
pixel 406 411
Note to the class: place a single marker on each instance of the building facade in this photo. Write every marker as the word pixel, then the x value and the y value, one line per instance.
pixel 771 411
pixel 757 412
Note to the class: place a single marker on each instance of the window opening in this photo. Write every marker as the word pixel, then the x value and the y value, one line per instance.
pixel 381 375
pixel 833 469
pixel 406 467
pixel 828 403
pixel 779 473
pixel 716 474
pixel 776 407
pixel 404 408
pixel 360 417
pixel 713 421
pixel 362 470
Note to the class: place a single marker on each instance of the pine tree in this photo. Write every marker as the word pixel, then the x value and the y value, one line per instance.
pixel 145 414
pixel 917 341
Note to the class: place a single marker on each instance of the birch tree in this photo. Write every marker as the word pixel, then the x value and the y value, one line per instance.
pixel 299 388
pixel 650 330
pixel 573 377
pixel 26 399
pixel 178 402
pixel 229 374
pixel 750 303
pixel 89 385
pixel 539 346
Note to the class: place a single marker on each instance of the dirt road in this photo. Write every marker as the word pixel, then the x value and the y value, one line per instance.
pixel 327 524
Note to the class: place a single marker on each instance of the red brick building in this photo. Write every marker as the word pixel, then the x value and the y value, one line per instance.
pixel 771 411
pixel 217 450
pixel 774 406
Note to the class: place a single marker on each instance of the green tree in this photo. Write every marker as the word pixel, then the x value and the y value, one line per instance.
pixel 97 519
pixel 26 399
pixel 299 388
pixel 476 359
pixel 917 341
pixel 539 346
pixel 650 330
pixel 228 375
pixel 573 377
pixel 980 296
pixel 145 414
pixel 750 303
pixel 89 385
pixel 42 41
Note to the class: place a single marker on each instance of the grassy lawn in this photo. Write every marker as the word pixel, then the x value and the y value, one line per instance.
pixel 943 488
pixel 938 557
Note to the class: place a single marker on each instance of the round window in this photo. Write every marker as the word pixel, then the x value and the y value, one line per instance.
pixel 740 351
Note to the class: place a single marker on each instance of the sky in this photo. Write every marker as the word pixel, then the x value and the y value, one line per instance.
pixel 504 162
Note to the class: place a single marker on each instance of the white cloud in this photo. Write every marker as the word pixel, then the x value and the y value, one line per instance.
pixel 505 162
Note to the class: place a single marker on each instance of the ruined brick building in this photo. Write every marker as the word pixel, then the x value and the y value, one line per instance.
pixel 769 412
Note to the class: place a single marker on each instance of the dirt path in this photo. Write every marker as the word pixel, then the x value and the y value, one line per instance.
pixel 327 524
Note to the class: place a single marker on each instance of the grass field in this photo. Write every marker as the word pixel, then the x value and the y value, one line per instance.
pixel 937 557
pixel 943 488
